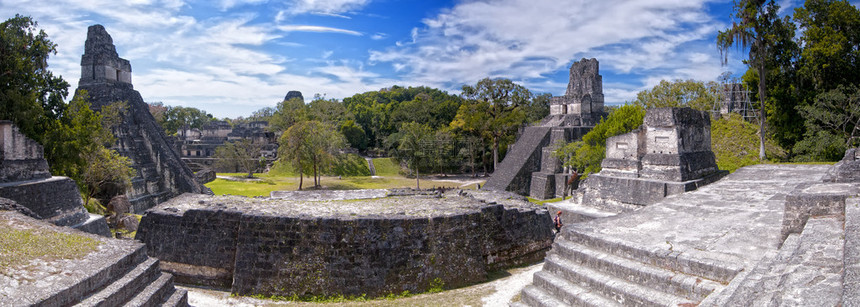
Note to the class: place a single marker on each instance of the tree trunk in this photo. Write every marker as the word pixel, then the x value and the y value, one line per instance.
pixel 495 153
pixel 301 178
pixel 316 181
pixel 763 113
pixel 417 183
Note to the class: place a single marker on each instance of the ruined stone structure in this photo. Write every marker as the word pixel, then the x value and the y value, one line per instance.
pixel 106 77
pixel 766 235
pixel 846 170
pixel 294 94
pixel 114 273
pixel 529 167
pixel 330 247
pixel 669 154
pixel 197 146
pixel 25 179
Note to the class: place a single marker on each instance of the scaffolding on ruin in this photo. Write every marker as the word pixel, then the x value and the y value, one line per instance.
pixel 735 97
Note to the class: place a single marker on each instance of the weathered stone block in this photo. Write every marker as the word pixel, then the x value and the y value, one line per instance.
pixel 274 247
pixel 815 199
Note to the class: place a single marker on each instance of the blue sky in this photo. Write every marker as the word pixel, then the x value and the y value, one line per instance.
pixel 231 57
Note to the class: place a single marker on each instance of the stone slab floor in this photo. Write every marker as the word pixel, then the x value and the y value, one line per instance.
pixel 737 219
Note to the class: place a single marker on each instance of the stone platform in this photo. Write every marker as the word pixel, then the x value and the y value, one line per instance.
pixel 115 273
pixel 370 247
pixel 704 247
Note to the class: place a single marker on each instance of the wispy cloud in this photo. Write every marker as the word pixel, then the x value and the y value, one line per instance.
pixel 378 36
pixel 528 40
pixel 325 6
pixel 321 29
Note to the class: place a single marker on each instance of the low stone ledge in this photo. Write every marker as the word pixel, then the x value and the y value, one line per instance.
pixel 815 199
pixel 354 247
pixel 851 250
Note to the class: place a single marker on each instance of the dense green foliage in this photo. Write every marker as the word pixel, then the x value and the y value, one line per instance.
pixel 30 95
pixel 679 93
pixel 241 155
pixel 810 59
pixel 831 121
pixel 175 118
pixel 585 156
pixel 310 146
pixel 414 146
pixel 381 112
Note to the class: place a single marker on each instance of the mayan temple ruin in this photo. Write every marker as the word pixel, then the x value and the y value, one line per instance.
pixel 661 226
pixel 161 174
pixel 529 167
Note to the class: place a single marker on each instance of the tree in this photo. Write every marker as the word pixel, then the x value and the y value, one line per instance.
pixel 679 93
pixel 287 114
pixel 585 156
pixel 105 167
pixel 755 29
pixel 538 108
pixel 241 155
pixel 473 121
pixel 263 114
pixel 308 146
pixel 505 100
pixel 354 134
pixel 292 149
pixel 830 36
pixel 413 147
pixel 30 95
pixel 178 118
pixel 77 148
pixel 832 123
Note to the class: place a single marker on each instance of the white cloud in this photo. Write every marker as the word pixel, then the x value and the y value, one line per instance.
pixel 228 4
pixel 531 39
pixel 321 29
pixel 378 36
pixel 325 6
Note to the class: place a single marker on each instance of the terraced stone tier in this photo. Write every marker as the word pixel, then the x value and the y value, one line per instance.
pixel 344 247
pixel 115 273
pixel 683 249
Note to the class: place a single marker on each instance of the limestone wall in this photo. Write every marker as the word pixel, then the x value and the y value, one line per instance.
pixel 20 157
pixel 258 252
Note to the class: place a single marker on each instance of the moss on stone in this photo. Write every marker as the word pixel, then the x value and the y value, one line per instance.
pixel 20 246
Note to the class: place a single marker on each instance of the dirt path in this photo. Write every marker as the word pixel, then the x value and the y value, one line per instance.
pixel 498 292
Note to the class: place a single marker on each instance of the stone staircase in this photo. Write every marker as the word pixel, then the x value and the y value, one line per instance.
pixel 115 273
pixel 585 269
pixel 805 271
pixel 134 280
pixel 514 172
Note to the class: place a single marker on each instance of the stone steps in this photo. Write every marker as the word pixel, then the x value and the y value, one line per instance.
pixel 719 271
pixel 95 281
pixel 125 287
pixel 622 291
pixel 588 269
pixel 536 297
pixel 674 283
pixel 155 293
pixel 570 293
pixel 132 280
pixel 179 298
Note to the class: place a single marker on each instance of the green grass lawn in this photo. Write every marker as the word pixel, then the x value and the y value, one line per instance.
pixel 386 167
pixel 266 183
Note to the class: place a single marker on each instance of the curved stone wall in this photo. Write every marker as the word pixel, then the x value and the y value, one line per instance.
pixel 373 247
